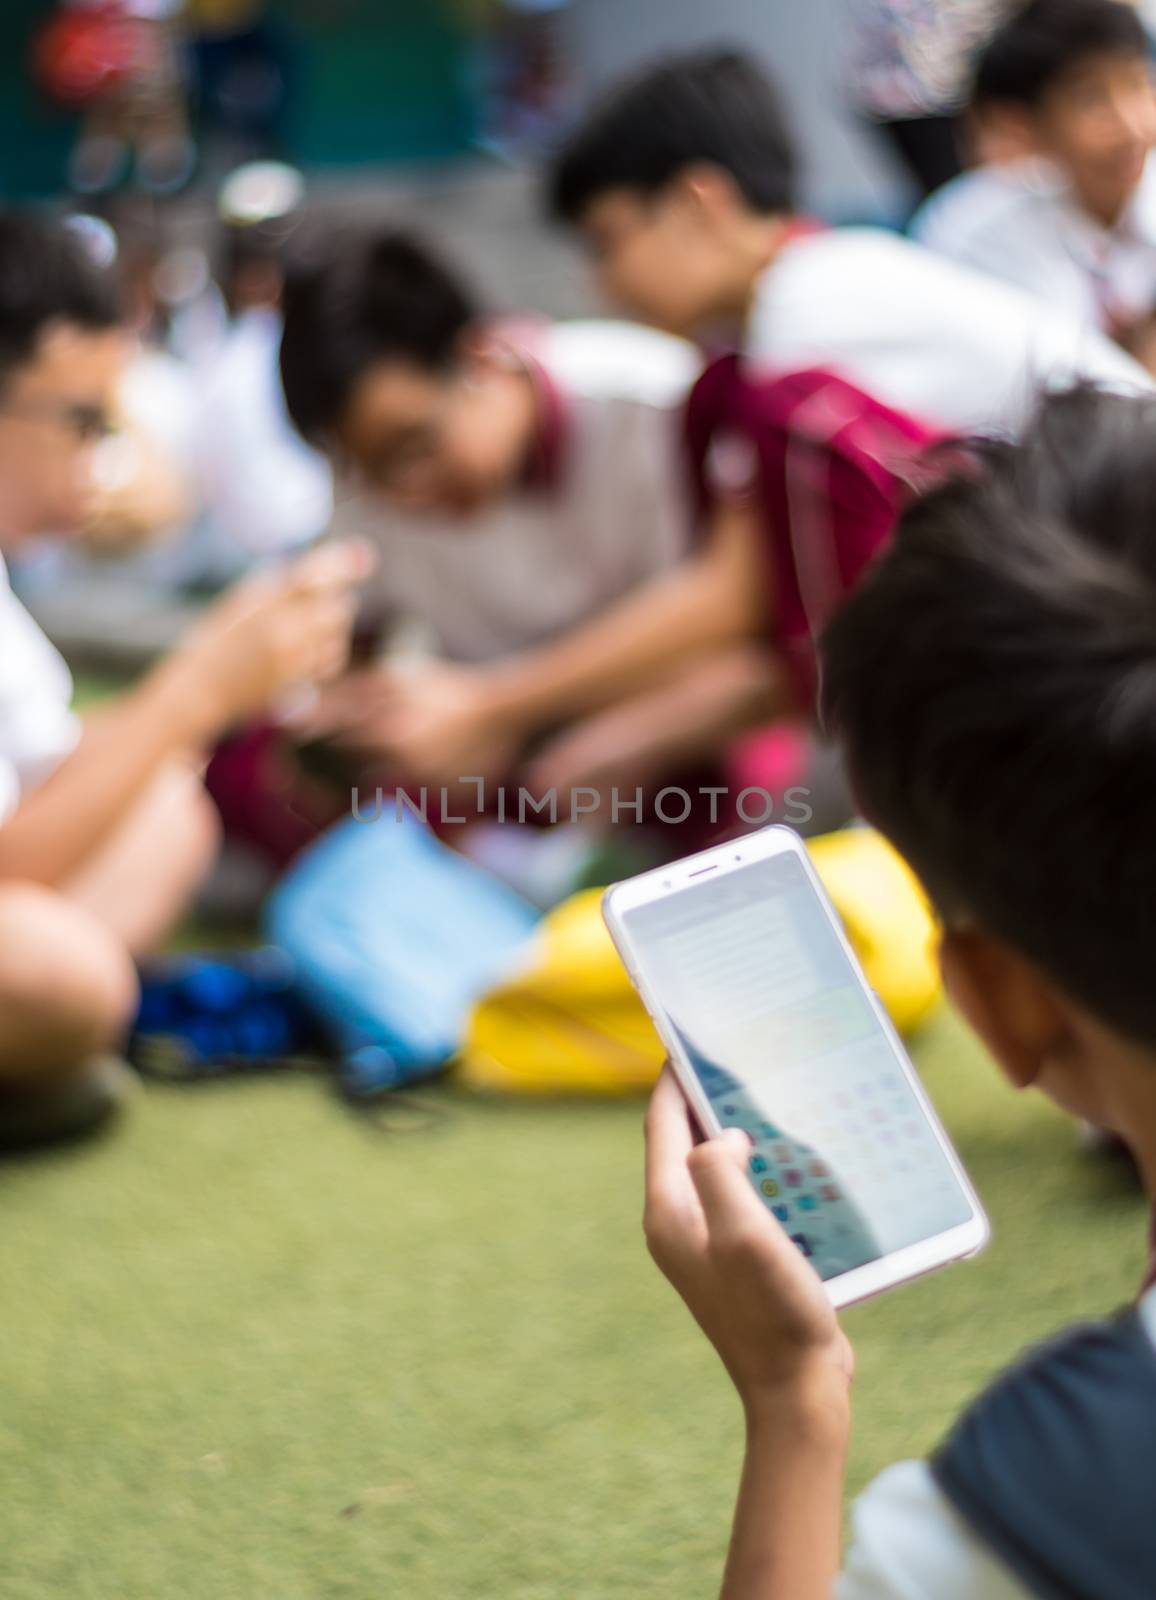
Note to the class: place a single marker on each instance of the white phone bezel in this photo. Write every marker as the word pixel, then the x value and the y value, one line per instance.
pixel 954 1244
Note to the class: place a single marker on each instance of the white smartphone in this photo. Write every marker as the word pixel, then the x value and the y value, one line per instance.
pixel 742 962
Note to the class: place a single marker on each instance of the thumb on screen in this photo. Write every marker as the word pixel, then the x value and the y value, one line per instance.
pixel 738 1144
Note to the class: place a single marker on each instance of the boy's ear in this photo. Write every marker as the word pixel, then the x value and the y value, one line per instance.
pixel 482 351
pixel 477 346
pixel 1008 1003
pixel 1003 133
pixel 708 189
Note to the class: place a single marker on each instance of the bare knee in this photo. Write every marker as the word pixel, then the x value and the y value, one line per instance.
pixel 68 988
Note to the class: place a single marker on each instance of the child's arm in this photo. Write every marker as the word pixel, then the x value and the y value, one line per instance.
pixel 716 597
pixel 268 636
pixel 764 1310
pixel 688 717
pixel 441 720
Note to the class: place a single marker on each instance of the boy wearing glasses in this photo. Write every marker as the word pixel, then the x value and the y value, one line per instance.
pixel 105 830
pixel 521 481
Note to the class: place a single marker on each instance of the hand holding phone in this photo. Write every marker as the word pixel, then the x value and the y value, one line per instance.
pixel 772 1028
pixel 759 1302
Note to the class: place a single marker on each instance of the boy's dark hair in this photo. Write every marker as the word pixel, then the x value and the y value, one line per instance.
pixel 1044 40
pixel 710 106
pixel 993 682
pixel 47 276
pixel 364 298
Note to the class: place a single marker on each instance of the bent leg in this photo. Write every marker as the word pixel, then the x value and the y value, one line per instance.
pixel 67 997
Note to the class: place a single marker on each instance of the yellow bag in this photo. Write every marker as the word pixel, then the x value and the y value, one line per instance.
pixel 571 1023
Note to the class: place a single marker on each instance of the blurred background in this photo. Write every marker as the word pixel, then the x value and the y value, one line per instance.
pixel 138 113
pixel 262 1350
pixel 443 103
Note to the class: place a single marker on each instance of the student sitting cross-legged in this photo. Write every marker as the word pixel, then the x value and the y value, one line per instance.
pixel 519 479
pixel 993 683
pixel 105 830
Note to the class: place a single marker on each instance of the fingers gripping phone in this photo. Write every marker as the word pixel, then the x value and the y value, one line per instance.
pixel 743 965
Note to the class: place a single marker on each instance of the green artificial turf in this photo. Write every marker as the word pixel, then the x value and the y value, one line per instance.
pixel 255 1347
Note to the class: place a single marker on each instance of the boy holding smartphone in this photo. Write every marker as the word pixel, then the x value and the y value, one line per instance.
pixel 520 480
pixel 1007 632
pixel 106 831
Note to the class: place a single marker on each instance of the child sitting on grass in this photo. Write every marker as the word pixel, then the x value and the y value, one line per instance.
pixel 835 343
pixel 993 683
pixel 1068 82
pixel 105 829
pixel 518 479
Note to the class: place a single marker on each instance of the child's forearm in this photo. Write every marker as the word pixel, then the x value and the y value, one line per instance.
pixel 785 1544
pixel 59 824
pixel 715 598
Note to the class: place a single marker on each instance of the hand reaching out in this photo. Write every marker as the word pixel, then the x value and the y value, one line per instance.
pixel 433 722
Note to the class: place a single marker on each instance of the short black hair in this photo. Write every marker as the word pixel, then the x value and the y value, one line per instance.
pixel 993 684
pixel 47 275
pixel 715 106
pixel 1044 40
pixel 355 300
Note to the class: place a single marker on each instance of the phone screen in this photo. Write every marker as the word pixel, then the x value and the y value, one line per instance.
pixel 777 1025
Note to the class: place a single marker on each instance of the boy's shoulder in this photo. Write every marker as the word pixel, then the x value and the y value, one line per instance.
pixel 1052 1466
pixel 840 290
pixel 984 203
pixel 604 360
pixel 927 335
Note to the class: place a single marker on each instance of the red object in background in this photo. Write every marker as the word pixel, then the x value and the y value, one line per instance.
pixel 83 52
pixel 774 759
pixel 264 797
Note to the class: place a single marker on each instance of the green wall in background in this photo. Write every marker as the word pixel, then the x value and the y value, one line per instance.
pixel 376 80
pixel 34 135
pixel 386 82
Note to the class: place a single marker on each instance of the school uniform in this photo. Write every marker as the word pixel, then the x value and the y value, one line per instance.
pixel 827 468
pixel 1021 223
pixel 1043 1490
pixel 599 509
pixel 926 336
pixel 860 350
pixel 38 727
pixel 264 490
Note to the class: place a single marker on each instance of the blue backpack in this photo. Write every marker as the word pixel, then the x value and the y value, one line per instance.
pixel 393 937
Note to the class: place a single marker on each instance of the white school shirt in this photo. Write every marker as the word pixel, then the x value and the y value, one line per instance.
pixel 909 1543
pixel 263 489
pixel 38 727
pixel 551 555
pixel 926 336
pixel 1021 223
